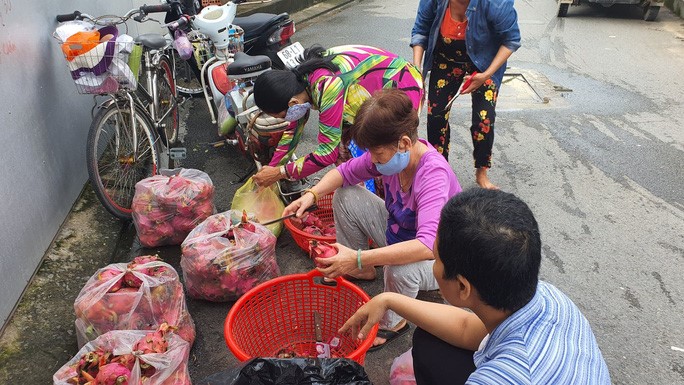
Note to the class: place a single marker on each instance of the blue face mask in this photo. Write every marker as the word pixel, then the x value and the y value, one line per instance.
pixel 395 165
pixel 297 111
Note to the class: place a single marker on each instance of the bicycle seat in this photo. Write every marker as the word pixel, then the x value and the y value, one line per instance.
pixel 151 40
pixel 256 24
pixel 248 65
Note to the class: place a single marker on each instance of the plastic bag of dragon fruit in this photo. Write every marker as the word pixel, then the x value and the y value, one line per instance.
pixel 401 371
pixel 140 295
pixel 226 256
pixel 129 357
pixel 166 207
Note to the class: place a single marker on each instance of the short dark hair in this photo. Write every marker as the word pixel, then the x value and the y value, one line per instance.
pixel 383 119
pixel 274 89
pixel 491 238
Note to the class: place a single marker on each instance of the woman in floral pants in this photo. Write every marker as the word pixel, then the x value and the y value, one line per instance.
pixel 454 39
pixel 448 72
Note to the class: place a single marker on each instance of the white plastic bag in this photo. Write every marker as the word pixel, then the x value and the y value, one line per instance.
pixel 131 357
pixel 140 295
pixel 166 207
pixel 226 256
pixel 401 372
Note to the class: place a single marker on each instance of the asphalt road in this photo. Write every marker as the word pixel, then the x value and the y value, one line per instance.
pixel 601 163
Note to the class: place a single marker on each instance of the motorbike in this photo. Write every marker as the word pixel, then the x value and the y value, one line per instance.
pixel 264 34
pixel 227 81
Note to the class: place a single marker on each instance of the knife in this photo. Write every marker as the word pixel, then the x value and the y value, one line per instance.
pixel 310 208
pixel 322 349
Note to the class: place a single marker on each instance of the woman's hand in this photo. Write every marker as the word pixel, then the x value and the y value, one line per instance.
pixel 477 82
pixel 300 205
pixel 342 263
pixel 361 323
pixel 267 176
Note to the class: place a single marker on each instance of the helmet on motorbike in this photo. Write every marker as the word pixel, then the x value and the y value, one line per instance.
pixel 215 21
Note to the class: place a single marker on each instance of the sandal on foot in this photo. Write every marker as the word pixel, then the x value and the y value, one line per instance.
pixel 349 277
pixel 389 336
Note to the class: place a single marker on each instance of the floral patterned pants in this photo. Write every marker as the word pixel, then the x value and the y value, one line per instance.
pixel 450 66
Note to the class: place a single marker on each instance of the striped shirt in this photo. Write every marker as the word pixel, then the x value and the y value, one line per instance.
pixel 548 341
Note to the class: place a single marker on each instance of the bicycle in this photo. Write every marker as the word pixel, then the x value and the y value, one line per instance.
pixel 131 134
pixel 227 80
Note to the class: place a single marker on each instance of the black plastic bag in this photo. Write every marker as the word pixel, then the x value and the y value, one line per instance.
pixel 293 371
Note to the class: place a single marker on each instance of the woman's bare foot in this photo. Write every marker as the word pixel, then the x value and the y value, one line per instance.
pixel 367 274
pixel 482 179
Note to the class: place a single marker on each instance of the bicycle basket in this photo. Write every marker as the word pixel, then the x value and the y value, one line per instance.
pixel 102 62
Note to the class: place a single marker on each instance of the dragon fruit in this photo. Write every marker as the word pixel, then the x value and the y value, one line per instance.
pixel 313 230
pixel 314 225
pixel 401 371
pixel 320 249
pixel 167 207
pixel 154 342
pixel 150 294
pixel 127 360
pixel 226 256
pixel 113 374
pixel 113 275
pixel 183 224
pixel 97 364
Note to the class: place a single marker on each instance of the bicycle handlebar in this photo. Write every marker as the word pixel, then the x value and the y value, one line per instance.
pixel 180 23
pixel 155 8
pixel 68 17
pixel 138 14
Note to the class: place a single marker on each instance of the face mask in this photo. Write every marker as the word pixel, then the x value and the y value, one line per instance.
pixel 395 165
pixel 297 111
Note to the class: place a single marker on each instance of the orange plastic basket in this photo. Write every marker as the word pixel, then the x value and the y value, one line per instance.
pixel 325 213
pixel 278 314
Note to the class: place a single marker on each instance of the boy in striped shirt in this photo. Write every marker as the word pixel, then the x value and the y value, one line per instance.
pixel 520 331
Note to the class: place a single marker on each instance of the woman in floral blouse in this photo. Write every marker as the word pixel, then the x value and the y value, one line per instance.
pixel 335 82
pixel 453 38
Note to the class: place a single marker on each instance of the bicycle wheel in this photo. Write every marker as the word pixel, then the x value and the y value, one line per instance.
pixel 187 76
pixel 167 103
pixel 115 164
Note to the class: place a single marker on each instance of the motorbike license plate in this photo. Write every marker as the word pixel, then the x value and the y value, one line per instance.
pixel 290 54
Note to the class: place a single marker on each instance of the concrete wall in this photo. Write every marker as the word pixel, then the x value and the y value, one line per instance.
pixel 44 130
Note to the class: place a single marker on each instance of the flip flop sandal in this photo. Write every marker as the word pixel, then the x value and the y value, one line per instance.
pixel 389 336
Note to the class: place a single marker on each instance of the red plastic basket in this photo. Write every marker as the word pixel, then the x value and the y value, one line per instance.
pixel 278 314
pixel 325 213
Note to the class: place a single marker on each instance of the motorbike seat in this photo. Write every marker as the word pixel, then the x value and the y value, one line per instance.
pixel 151 40
pixel 256 24
pixel 246 64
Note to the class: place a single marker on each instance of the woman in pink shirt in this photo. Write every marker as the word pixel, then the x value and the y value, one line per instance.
pixel 417 181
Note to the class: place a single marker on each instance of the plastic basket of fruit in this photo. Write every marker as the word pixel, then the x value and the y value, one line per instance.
pixel 278 319
pixel 318 225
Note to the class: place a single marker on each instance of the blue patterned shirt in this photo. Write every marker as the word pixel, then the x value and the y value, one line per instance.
pixel 548 341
